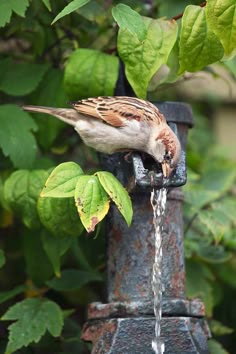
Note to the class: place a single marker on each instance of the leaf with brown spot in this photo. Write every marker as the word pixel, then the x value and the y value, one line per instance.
pixel 117 193
pixel 91 200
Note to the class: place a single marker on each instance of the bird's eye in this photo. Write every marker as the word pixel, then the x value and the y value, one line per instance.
pixel 167 157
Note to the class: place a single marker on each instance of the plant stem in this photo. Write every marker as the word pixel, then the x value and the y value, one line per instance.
pixel 177 17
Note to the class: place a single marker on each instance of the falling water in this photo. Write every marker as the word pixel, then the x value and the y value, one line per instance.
pixel 158 201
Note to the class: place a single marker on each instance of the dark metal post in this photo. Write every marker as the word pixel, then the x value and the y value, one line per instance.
pixel 125 324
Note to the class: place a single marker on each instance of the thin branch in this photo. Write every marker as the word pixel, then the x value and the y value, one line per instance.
pixel 177 17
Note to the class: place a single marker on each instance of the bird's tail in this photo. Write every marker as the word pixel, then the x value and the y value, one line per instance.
pixel 67 115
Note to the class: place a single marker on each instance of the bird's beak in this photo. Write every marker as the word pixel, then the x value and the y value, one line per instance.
pixel 166 169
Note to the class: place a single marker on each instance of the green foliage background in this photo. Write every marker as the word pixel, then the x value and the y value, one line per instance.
pixel 49 264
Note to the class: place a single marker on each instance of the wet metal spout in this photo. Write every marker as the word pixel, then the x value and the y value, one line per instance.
pixel 125 324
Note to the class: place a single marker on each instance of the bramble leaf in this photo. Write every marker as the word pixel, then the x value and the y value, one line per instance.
pixel 33 318
pixel 117 193
pixel 198 46
pixel 221 18
pixel 21 191
pixel 9 6
pixel 72 6
pixel 99 69
pixel 62 181
pixel 143 58
pixel 16 138
pixel 91 200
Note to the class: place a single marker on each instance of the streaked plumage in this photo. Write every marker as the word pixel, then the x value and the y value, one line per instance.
pixel 112 124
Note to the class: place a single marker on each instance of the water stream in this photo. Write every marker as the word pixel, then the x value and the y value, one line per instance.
pixel 158 201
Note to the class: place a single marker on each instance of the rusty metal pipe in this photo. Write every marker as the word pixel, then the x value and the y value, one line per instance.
pixel 125 324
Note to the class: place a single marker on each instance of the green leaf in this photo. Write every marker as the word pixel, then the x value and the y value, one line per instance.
pixel 91 200
pixel 117 193
pixel 94 12
pixel 215 221
pixel 2 258
pixel 130 20
pixel 231 66
pixel 227 208
pixel 62 181
pixel 218 329
pixel 216 347
pixel 59 216
pixel 198 46
pixel 198 277
pixel 198 198
pixel 9 6
pixel 21 192
pixel 38 267
pixel 218 179
pixel 72 279
pixel 16 138
pixel 90 73
pixel 214 254
pixel 33 318
pixel 50 92
pixel 143 58
pixel 221 17
pixel 226 272
pixel 72 6
pixel 47 4
pixel 19 79
pixel 55 248
pixel 7 295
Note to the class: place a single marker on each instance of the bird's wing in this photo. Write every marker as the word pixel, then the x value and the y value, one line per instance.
pixel 118 110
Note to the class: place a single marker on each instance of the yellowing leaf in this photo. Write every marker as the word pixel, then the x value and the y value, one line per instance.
pixel 117 193
pixel 62 181
pixel 91 200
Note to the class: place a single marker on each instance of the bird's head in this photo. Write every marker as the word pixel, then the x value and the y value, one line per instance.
pixel 166 149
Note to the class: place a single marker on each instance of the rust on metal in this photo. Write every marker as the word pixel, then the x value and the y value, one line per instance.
pixel 125 324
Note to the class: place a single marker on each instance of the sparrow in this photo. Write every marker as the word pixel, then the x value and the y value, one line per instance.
pixel 115 124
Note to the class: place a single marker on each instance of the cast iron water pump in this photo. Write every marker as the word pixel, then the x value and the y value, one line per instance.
pixel 125 324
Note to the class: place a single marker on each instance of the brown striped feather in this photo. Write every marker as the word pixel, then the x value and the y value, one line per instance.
pixel 117 110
